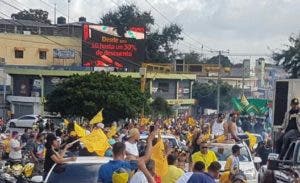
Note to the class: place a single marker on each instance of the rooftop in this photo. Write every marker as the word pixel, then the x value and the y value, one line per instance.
pixel 28 23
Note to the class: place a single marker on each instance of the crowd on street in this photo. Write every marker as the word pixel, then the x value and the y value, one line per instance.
pixel 191 160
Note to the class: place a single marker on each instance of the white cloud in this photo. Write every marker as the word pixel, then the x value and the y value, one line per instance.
pixel 247 26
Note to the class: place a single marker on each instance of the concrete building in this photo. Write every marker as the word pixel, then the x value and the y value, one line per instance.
pixel 37 50
pixel 31 85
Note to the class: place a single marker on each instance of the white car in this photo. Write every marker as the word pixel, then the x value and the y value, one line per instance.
pixel 83 170
pixel 247 163
pixel 173 142
pixel 26 121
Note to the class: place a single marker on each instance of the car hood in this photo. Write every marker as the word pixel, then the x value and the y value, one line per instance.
pixel 247 167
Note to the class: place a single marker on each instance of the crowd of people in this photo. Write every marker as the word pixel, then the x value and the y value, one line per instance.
pixel 192 162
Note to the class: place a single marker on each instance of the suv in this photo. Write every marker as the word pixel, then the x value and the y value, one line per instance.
pixel 286 170
pixel 26 121
pixel 247 163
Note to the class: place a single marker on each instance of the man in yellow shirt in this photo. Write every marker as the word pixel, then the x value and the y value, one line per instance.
pixel 204 155
pixel 173 173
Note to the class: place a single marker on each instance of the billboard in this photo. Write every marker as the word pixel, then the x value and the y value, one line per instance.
pixel 103 47
pixel 63 53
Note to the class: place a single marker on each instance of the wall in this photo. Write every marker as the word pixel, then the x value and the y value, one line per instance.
pixel 31 44
pixel 164 88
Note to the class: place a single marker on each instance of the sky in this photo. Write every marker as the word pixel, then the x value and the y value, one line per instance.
pixel 246 28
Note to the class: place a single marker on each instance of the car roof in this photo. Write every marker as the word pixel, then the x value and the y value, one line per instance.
pixel 90 159
pixel 30 115
pixel 162 136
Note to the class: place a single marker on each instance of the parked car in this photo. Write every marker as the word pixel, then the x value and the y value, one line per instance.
pixel 26 121
pixel 173 142
pixel 247 163
pixel 83 170
pixel 57 120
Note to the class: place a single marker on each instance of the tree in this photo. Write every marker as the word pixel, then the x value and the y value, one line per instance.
pixel 37 15
pixel 206 95
pixel 192 58
pixel 161 107
pixel 86 95
pixel 290 58
pixel 159 43
pixel 225 61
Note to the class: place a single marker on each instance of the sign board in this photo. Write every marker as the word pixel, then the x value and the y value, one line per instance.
pixel 103 47
pixel 63 53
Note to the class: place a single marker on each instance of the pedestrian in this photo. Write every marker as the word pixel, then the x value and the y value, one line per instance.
pixel 205 155
pixel 289 129
pixel 264 151
pixel 15 154
pixel 139 176
pixel 53 155
pixel 232 127
pixel 132 152
pixel 173 173
pixel 25 136
pixel 199 167
pixel 233 161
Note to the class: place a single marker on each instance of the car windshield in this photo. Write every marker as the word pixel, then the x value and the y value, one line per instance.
pixel 223 152
pixel 73 173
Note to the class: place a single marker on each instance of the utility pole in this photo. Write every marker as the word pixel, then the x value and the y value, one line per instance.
pixel 54 13
pixel 69 16
pixel 219 77
pixel 219 82
pixel 243 84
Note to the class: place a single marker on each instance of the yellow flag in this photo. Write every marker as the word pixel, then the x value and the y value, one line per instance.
pixel 167 121
pixel 66 122
pixel 191 121
pixel 81 132
pixel 144 121
pixel 96 142
pixel 252 140
pixel 112 131
pixel 158 155
pixel 98 118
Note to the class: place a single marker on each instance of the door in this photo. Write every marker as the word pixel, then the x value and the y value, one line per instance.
pixel 25 121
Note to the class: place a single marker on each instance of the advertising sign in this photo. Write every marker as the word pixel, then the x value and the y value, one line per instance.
pixel 63 54
pixel 103 47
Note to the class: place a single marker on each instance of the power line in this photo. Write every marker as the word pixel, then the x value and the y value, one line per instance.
pixel 167 19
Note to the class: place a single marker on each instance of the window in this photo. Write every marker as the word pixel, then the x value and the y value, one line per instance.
pixel 163 87
pixel 27 117
pixel 19 53
pixel 43 55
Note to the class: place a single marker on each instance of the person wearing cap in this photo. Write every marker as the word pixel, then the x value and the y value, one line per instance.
pixel 132 152
pixel 233 161
pixel 290 128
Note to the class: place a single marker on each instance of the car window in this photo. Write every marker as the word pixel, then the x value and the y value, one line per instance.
pixel 73 173
pixel 223 153
pixel 27 117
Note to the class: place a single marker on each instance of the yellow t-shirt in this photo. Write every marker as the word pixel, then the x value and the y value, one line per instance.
pixel 173 174
pixel 207 159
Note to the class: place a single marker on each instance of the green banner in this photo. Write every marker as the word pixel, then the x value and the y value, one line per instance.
pixel 258 107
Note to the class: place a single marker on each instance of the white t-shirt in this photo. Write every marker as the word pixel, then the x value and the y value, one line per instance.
pixel 218 128
pixel 138 177
pixel 185 177
pixel 15 154
pixel 132 148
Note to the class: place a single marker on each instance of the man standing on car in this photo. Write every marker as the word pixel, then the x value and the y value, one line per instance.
pixel 290 128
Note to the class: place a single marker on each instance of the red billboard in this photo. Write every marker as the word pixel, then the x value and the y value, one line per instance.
pixel 103 47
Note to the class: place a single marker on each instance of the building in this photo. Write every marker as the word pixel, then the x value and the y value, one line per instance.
pixel 37 50
pixel 30 85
